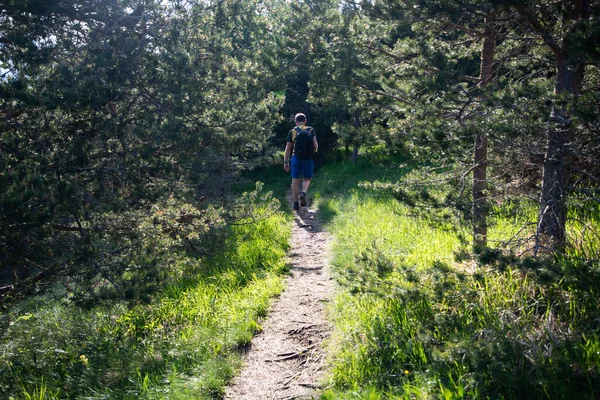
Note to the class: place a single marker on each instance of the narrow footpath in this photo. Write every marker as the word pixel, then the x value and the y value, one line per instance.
pixel 286 360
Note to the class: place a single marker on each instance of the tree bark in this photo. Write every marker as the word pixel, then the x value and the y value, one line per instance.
pixel 480 202
pixel 551 231
pixel 479 194
pixel 355 146
pixel 355 152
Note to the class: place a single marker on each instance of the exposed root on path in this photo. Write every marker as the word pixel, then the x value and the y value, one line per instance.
pixel 285 360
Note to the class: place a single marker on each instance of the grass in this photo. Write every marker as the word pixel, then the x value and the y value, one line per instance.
pixel 184 344
pixel 420 316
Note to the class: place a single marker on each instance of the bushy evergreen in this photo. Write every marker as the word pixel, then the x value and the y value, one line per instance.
pixel 124 121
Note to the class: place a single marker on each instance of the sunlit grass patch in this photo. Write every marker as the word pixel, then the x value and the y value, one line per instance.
pixel 583 232
pixel 374 226
pixel 421 316
pixel 183 344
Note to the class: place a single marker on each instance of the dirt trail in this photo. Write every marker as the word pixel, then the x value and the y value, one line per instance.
pixel 285 360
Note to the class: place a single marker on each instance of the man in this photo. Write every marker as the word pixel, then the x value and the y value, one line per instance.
pixel 303 141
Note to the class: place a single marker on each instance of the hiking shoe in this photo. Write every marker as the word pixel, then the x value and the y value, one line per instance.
pixel 296 206
pixel 303 199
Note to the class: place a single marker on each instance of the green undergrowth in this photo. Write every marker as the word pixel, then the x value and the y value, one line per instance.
pixel 420 315
pixel 275 180
pixel 184 344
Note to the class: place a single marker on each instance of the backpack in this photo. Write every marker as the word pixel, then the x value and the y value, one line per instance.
pixel 303 143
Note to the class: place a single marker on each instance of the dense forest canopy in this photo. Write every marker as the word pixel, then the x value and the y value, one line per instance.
pixel 124 122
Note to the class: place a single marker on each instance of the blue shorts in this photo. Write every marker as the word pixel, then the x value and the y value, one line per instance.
pixel 304 166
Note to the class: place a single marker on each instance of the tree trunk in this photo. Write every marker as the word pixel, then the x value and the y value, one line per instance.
pixel 480 208
pixel 355 146
pixel 479 195
pixel 355 152
pixel 551 232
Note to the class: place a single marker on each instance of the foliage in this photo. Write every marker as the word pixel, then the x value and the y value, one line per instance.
pixel 119 143
pixel 421 317
pixel 130 256
pixel 413 73
pixel 306 28
pixel 182 344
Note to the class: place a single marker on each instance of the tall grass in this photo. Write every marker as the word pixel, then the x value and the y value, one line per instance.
pixel 182 345
pixel 420 316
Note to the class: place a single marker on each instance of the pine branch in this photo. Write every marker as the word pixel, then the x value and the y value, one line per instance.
pixel 537 26
pixel 401 60
pixel 469 31
pixel 26 284
pixel 293 61
pixel 382 93
pixel 463 77
pixel 590 176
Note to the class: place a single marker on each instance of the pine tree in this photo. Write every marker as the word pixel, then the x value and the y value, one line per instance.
pixel 442 55
pixel 114 113
pixel 567 29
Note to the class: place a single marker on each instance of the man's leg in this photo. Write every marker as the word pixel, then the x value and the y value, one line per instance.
pixel 305 185
pixel 307 173
pixel 302 195
pixel 296 171
pixel 295 182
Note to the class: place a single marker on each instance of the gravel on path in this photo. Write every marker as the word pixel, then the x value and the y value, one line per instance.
pixel 286 359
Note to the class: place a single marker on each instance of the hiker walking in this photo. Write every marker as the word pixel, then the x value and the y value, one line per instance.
pixel 303 140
